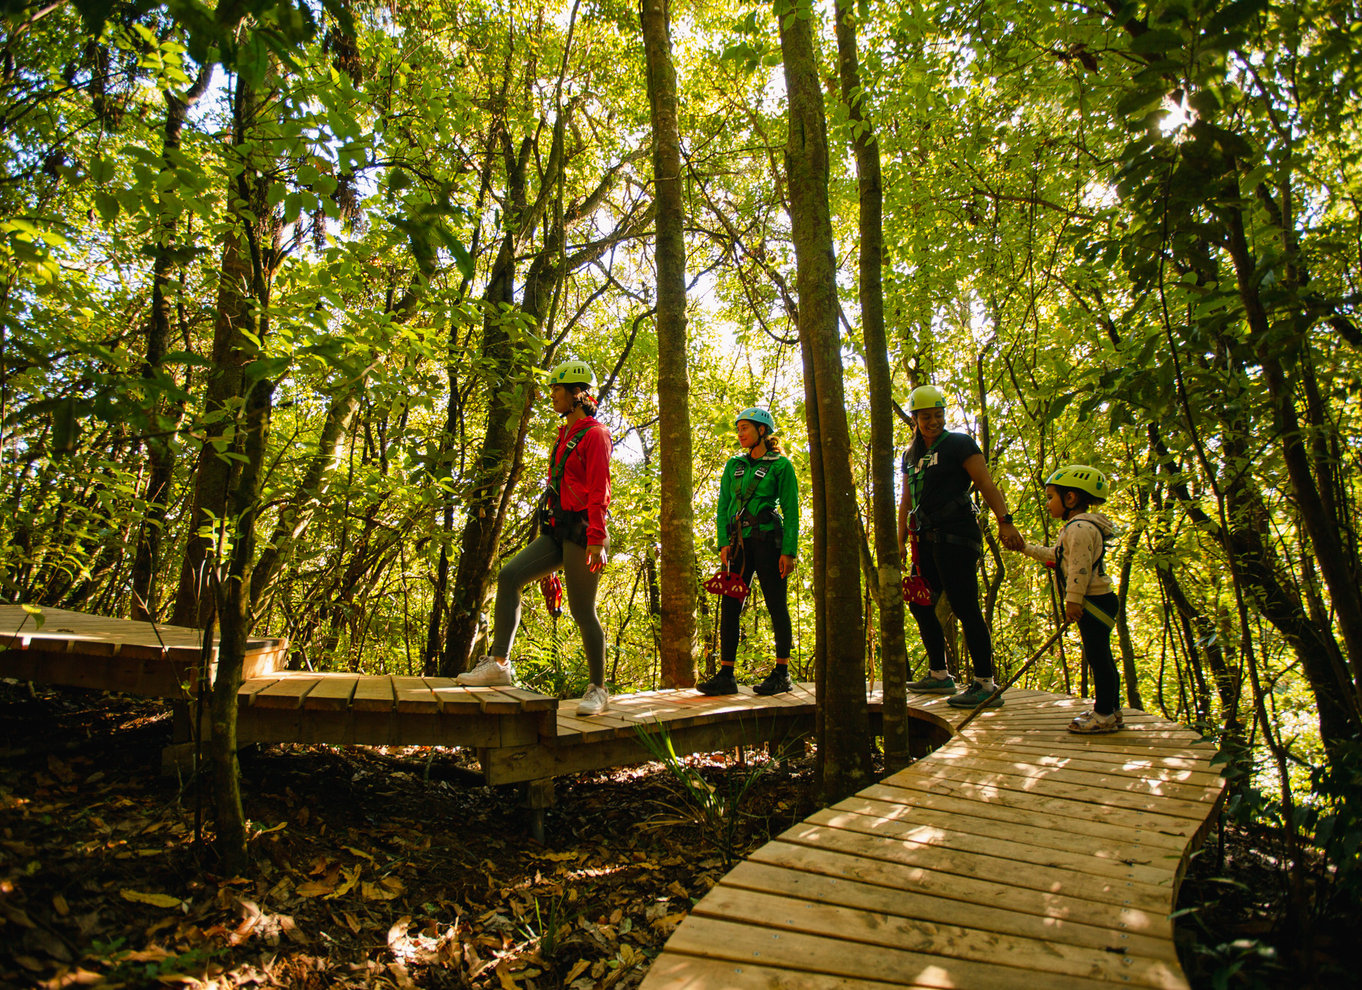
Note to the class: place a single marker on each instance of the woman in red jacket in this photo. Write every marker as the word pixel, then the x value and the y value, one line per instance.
pixel 572 536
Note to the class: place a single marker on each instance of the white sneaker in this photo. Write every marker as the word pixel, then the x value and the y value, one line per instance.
pixel 488 673
pixel 595 701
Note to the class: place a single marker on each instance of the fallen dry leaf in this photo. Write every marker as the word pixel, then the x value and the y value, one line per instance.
pixel 155 900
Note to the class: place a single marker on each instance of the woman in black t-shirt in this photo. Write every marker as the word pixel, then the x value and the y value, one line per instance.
pixel 939 468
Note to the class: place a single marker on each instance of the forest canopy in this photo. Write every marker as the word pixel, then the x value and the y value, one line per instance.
pixel 281 284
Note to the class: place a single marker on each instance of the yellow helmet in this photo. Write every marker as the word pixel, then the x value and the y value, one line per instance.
pixel 573 373
pixel 1082 477
pixel 926 397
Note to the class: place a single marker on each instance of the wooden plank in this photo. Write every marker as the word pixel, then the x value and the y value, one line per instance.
pixel 1060 807
pixel 332 693
pixel 1050 904
pixel 495 701
pixel 1195 767
pixel 530 701
pixel 286 692
pixel 249 689
pixel 925 802
pixel 414 695
pixel 373 694
pixel 850 812
pixel 943 857
pixel 370 728
pixel 674 971
pixel 1133 739
pixel 454 699
pixel 1095 797
pixel 910 904
pixel 1004 842
pixel 1105 779
pixel 801 953
pixel 871 932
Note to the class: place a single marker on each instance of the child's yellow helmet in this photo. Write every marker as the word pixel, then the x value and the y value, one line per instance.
pixel 1082 477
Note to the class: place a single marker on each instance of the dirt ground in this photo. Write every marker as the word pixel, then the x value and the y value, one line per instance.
pixel 399 868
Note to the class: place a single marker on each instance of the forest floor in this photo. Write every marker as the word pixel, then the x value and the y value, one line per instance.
pixel 398 868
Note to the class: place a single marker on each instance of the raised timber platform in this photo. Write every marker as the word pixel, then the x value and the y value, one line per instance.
pixel 89 651
pixel 1015 855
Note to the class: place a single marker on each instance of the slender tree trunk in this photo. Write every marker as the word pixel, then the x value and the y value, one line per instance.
pixel 1246 542
pixel 884 504
pixel 146 566
pixel 241 492
pixel 845 739
pixel 194 600
pixel 1313 500
pixel 676 514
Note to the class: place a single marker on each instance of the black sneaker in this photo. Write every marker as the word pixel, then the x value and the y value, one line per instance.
pixel 777 682
pixel 720 683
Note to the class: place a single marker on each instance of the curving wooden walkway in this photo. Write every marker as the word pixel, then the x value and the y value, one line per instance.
pixel 1015 855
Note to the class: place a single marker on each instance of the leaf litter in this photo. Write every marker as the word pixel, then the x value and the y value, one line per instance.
pixel 373 867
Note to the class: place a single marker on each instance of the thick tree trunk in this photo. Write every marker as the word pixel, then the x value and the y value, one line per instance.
pixel 844 742
pixel 676 516
pixel 884 504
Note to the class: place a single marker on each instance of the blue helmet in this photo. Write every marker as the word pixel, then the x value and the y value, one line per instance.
pixel 754 415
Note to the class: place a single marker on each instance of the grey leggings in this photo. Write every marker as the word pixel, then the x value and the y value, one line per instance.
pixel 539 559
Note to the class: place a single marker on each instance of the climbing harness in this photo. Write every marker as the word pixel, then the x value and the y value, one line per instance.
pixel 727 581
pixel 563 524
pixel 1098 568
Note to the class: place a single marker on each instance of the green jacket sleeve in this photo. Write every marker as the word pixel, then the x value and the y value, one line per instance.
pixel 726 504
pixel 788 495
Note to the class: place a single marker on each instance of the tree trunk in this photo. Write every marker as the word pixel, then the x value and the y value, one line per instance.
pixel 242 488
pixel 845 738
pixel 676 515
pixel 146 566
pixel 194 599
pixel 884 505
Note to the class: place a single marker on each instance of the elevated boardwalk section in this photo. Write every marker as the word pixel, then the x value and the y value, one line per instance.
pixel 73 649
pixel 1015 855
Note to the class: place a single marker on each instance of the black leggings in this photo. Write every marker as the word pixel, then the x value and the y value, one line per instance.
pixel 763 558
pixel 952 568
pixel 1096 636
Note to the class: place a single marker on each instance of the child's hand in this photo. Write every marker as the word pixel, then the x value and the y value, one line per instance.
pixel 1073 611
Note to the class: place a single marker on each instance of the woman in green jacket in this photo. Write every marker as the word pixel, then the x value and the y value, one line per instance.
pixel 758 523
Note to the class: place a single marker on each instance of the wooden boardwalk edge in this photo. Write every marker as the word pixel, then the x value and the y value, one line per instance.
pixel 1018 855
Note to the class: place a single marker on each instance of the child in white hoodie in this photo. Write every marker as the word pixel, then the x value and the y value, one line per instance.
pixel 1088 596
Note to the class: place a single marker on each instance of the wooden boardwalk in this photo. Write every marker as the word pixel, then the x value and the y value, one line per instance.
pixel 1016 855
pixel 89 651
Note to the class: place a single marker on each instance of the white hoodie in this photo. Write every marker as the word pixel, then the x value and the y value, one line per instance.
pixel 1078 551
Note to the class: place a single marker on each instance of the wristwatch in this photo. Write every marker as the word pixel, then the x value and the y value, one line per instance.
pixel 1007 518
